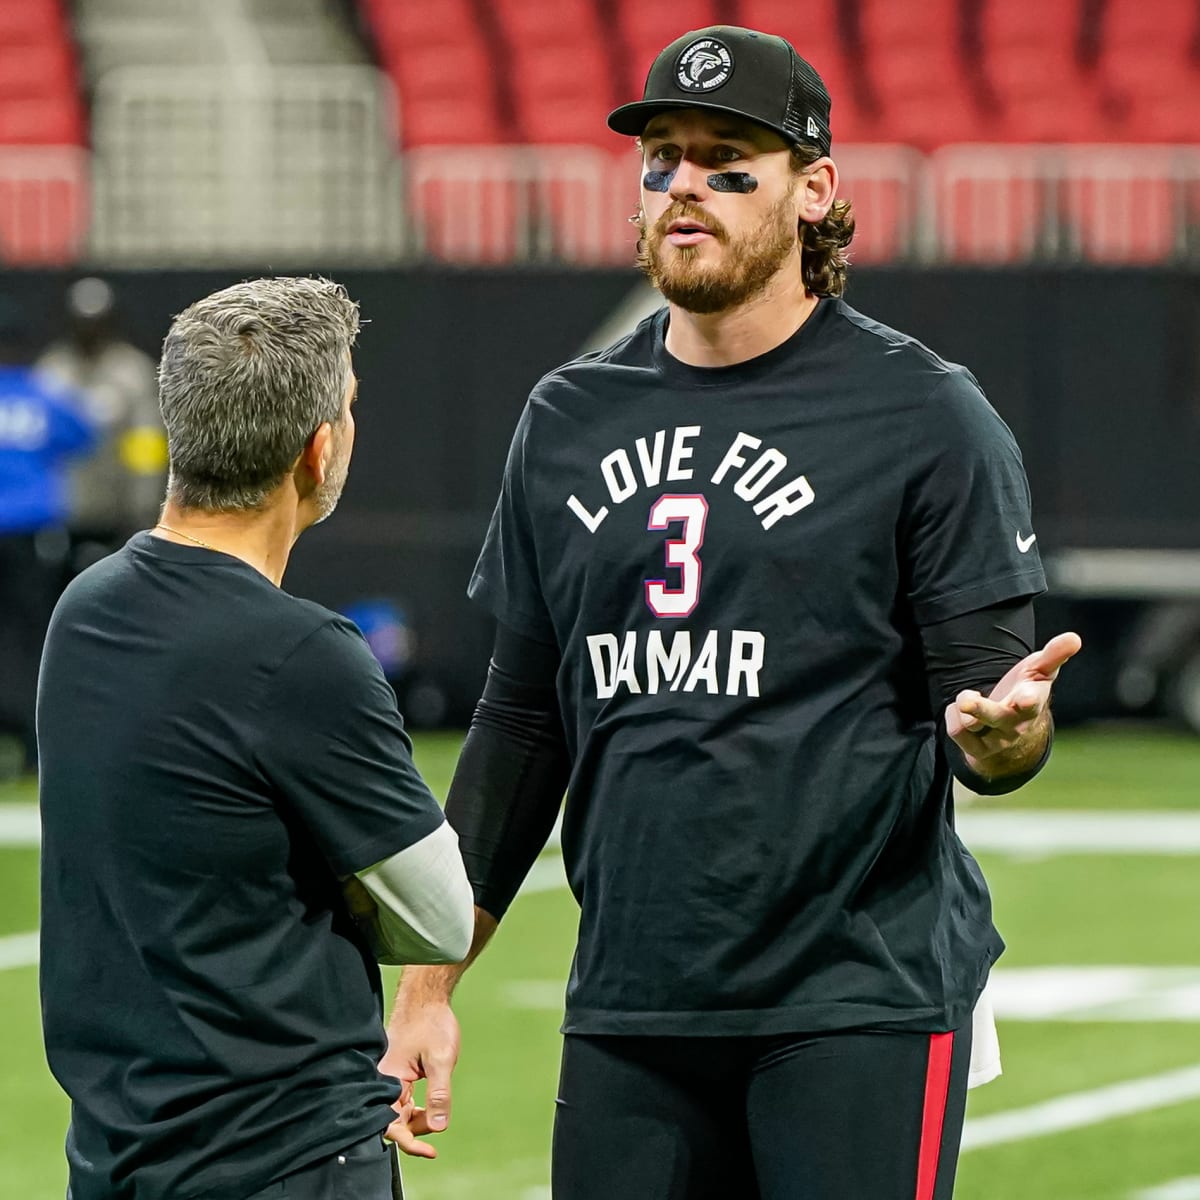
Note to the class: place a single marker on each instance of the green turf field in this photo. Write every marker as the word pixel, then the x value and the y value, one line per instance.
pixel 1118 1052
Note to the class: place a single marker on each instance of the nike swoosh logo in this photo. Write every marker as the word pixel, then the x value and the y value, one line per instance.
pixel 1023 544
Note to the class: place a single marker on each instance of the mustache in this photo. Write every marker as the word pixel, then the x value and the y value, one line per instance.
pixel 690 212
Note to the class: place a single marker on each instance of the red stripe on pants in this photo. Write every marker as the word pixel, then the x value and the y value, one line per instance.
pixel 937 1085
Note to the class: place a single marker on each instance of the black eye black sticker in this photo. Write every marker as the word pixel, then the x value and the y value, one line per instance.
pixel 658 181
pixel 732 181
pixel 720 181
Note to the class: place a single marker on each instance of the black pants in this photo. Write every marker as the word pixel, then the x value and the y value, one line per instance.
pixel 850 1116
pixel 368 1170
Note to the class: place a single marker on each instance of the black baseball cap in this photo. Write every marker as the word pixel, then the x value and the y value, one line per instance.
pixel 725 68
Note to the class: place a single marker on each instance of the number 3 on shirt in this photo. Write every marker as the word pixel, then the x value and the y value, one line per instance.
pixel 666 511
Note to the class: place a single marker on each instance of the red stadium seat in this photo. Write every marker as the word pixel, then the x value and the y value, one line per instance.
pixel 653 26
pixel 990 204
pixel 1057 23
pixel 23 21
pixel 419 20
pixel 423 70
pixel 806 25
pixel 1041 96
pixel 1156 94
pixel 529 23
pixel 37 69
pixel 1064 116
pixel 467 205
pixel 44 208
pixel 1171 118
pixel 922 94
pixel 880 183
pixel 465 119
pixel 442 69
pixel 45 121
pixel 1131 24
pixel 886 24
pixel 1122 220
pixel 561 73
pixel 558 97
pixel 588 195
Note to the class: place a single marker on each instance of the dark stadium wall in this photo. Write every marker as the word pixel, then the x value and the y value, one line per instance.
pixel 1097 372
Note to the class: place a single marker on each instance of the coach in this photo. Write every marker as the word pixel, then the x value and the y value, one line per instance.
pixel 234 831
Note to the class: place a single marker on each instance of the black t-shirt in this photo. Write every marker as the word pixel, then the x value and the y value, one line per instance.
pixel 734 564
pixel 215 753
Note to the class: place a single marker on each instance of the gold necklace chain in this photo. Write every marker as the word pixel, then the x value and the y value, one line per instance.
pixel 180 533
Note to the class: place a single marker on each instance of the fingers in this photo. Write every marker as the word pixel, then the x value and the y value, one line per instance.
pixel 403 1131
pixel 983 727
pixel 1048 661
pixel 437 1091
pixel 976 713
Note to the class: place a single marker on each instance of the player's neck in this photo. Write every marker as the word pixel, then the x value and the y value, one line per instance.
pixel 736 335
pixel 263 538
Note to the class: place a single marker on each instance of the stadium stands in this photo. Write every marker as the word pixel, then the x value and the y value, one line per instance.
pixel 443 70
pixel 39 102
pixel 983 130
pixel 43 174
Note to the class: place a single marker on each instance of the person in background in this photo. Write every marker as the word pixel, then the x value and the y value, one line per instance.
pixel 117 489
pixel 41 429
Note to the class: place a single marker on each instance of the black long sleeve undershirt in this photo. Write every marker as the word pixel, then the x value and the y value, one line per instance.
pixel 514 765
pixel 975 651
pixel 512 772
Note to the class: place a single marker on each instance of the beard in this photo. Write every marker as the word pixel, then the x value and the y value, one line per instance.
pixel 330 492
pixel 743 269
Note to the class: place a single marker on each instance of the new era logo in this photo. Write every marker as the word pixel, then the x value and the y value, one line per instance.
pixel 812 129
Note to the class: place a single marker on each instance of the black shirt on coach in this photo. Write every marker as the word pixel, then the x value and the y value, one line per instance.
pixel 215 753
pixel 735 564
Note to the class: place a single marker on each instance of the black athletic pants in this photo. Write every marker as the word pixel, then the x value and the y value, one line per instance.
pixel 847 1116
pixel 368 1170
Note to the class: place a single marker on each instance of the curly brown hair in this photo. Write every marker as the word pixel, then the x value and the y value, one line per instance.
pixel 823 261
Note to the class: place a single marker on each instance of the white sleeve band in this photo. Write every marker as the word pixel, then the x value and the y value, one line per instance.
pixel 426 908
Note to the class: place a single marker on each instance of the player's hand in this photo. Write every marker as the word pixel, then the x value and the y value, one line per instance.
pixel 986 726
pixel 423 1043
pixel 410 1121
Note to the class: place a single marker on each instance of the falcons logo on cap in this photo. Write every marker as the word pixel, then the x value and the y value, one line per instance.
pixel 701 64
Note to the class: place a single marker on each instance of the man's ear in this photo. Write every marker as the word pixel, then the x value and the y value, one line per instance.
pixel 317 453
pixel 817 190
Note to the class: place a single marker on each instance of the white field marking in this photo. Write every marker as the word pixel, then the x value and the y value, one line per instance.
pixel 1177 1189
pixel 546 875
pixel 1025 832
pixel 1152 994
pixel 544 995
pixel 1080 1109
pixel 1014 832
pixel 18 950
pixel 1110 993
pixel 19 825
pixel 1051 831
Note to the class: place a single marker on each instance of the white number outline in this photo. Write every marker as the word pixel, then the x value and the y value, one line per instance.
pixel 679 552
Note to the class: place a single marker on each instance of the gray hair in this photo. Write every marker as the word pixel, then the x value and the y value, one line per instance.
pixel 247 375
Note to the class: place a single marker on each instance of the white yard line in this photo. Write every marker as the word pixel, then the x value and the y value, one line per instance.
pixel 1052 831
pixel 1080 1109
pixel 19 825
pixel 1177 1189
pixel 18 950
pixel 1096 993
pixel 984 828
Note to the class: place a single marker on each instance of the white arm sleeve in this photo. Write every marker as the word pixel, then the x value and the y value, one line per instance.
pixel 426 908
